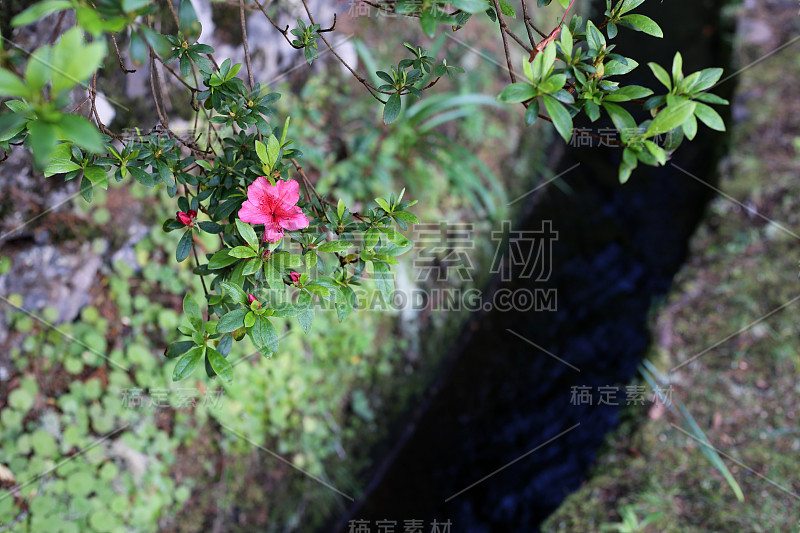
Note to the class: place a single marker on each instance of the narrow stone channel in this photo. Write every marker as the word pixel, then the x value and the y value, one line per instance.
pixel 504 441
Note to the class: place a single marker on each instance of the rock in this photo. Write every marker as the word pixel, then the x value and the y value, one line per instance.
pixel 51 276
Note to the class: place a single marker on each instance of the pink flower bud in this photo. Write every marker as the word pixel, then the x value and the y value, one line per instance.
pixel 251 299
pixel 295 276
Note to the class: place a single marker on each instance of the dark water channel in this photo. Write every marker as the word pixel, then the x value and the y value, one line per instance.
pixel 617 251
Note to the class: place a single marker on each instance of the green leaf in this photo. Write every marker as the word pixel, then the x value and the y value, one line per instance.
pixel 677 68
pixel 708 78
pixel 248 233
pixel 661 75
pixel 221 259
pixel 505 8
pixel 40 10
pixel 371 238
pixel 383 280
pixel 87 189
pixel 89 20
pixel 567 41
pixel 232 321
pixel 273 151
pixel 192 311
pixel 138 49
pixel 645 24
pixel 392 108
pixel 43 138
pixel 611 29
pixel 405 216
pixel 184 246
pixel 627 5
pixel 622 120
pixel 472 6
pixel 553 83
pixel 657 151
pixel 76 60
pixel 305 315
pixel 710 98
pixel 264 335
pixel 178 348
pixel 241 252
pixel 249 319
pixel 251 267
pixel 517 92
pixel 384 204
pixel 234 290
pixel 630 92
pixel 671 117
pixel 158 42
pixel 594 37
pixel 618 68
pixel 187 363
pixel 81 132
pixel 625 173
pixel 427 21
pixel 395 236
pixel 532 113
pixel 272 276
pixel 12 85
pixel 188 21
pixel 560 116
pixel 60 166
pixel 690 127
pixel 709 117
pixel 335 246
pixel 221 366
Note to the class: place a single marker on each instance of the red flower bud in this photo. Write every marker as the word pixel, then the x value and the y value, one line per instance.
pixel 251 299
pixel 187 219
pixel 295 276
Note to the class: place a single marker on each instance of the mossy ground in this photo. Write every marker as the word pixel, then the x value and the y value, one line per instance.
pixel 733 309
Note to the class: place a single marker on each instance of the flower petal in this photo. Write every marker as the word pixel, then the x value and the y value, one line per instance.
pixel 272 232
pixel 251 213
pixel 293 219
pixel 288 192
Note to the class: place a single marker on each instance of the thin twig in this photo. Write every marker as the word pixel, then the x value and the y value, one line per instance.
pixel 526 18
pixel 57 28
pixel 503 29
pixel 246 46
pixel 372 90
pixel 119 57
pixel 518 40
pixel 197 262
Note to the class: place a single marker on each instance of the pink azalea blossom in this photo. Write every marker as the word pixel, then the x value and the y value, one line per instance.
pixel 187 218
pixel 274 206
pixel 295 276
pixel 251 299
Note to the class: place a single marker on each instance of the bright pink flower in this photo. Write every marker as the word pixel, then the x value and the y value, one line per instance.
pixel 251 299
pixel 274 206
pixel 295 276
pixel 187 218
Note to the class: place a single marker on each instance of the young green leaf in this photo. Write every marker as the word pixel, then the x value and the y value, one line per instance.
pixel 645 24
pixel 248 234
pixel 560 116
pixel 709 117
pixel 392 108
pixel 221 366
pixel 187 363
pixel 671 117
pixel 517 92
pixel 184 246
pixel 232 321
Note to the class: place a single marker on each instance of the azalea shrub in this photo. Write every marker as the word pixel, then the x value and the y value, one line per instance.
pixel 280 248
